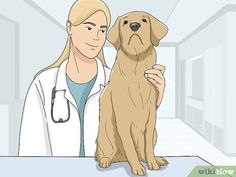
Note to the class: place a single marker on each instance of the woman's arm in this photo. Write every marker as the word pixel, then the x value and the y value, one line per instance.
pixel 34 139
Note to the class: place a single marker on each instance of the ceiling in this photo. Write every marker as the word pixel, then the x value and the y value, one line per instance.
pixel 190 14
pixel 181 16
pixel 162 9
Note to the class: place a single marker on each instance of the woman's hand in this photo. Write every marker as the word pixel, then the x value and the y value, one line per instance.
pixel 156 76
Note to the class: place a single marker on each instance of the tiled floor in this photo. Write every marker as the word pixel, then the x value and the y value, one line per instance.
pixel 177 138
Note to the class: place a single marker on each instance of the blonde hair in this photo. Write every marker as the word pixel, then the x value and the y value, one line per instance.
pixel 79 12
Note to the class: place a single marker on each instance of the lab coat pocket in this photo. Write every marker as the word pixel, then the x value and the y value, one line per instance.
pixel 65 136
pixel 60 108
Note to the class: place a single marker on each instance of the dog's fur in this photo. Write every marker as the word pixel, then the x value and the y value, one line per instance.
pixel 128 102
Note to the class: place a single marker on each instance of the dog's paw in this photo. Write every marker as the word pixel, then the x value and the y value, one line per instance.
pixel 161 160
pixel 105 162
pixel 153 164
pixel 138 170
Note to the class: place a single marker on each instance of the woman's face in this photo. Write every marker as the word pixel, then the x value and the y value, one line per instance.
pixel 90 36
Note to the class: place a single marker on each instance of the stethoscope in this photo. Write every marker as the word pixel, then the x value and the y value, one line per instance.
pixel 60 120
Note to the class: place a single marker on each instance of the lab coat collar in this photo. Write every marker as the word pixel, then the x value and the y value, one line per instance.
pixel 61 84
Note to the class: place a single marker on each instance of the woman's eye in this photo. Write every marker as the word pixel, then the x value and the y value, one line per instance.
pixel 125 22
pixel 89 28
pixel 103 31
pixel 144 20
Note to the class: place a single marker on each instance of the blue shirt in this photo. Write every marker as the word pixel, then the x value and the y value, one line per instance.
pixel 80 92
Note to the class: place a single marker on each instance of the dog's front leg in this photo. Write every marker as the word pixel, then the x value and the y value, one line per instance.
pixel 131 154
pixel 105 141
pixel 152 163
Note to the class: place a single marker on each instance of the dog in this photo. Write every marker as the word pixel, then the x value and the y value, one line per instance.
pixel 127 114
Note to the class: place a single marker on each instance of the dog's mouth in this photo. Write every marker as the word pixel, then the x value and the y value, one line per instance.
pixel 135 35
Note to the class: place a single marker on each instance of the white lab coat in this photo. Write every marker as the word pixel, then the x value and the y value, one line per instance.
pixel 39 135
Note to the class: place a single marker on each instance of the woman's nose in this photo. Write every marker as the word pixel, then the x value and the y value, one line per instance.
pixel 96 37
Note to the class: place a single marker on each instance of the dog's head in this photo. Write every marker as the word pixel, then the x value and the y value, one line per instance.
pixel 136 31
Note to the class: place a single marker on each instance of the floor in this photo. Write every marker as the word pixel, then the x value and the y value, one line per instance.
pixel 175 138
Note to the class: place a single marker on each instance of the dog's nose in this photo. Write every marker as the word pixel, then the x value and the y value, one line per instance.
pixel 135 26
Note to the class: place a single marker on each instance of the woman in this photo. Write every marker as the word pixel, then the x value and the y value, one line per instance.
pixel 60 116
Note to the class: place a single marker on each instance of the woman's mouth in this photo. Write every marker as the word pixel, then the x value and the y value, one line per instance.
pixel 91 45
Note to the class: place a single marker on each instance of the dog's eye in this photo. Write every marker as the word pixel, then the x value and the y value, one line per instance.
pixel 144 20
pixel 125 22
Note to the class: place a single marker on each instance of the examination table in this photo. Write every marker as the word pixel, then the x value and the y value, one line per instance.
pixel 179 166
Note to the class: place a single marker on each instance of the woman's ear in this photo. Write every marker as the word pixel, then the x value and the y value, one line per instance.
pixel 158 30
pixel 68 27
pixel 114 34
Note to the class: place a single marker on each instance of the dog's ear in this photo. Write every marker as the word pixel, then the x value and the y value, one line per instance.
pixel 158 30
pixel 114 34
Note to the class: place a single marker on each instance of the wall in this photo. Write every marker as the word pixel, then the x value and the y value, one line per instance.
pixel 200 112
pixel 166 57
pixel 207 59
pixel 231 84
pixel 38 41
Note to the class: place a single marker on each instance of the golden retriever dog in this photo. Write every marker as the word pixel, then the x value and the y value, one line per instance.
pixel 127 115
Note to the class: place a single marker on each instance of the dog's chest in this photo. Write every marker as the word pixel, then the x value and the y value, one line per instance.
pixel 142 92
pixel 128 81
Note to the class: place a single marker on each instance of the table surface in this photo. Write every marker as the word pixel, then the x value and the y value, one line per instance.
pixel 77 166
